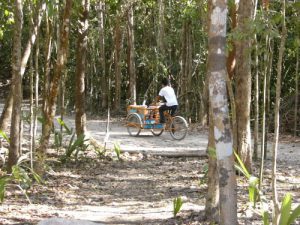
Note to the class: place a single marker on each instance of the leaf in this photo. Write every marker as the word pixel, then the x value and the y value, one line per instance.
pixel 3 134
pixel 266 218
pixel 64 125
pixel 242 166
pixel 3 182
pixel 295 214
pixel 285 209
pixel 177 204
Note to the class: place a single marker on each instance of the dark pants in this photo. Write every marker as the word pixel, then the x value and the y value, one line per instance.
pixel 165 108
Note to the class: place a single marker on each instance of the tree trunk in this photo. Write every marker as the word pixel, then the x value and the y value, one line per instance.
pixel 48 50
pixel 14 151
pixel 212 209
pixel 131 56
pixel 161 29
pixel 219 104
pixel 103 76
pixel 276 119
pixel 117 63
pixel 243 83
pixel 52 97
pixel 80 118
pixel 296 95
pixel 256 102
pixel 7 110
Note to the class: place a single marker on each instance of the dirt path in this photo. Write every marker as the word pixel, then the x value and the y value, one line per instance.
pixel 139 189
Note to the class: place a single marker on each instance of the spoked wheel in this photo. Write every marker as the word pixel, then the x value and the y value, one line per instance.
pixel 157 131
pixel 134 124
pixel 178 128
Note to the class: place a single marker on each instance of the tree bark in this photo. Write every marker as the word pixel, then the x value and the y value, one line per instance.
pixel 131 56
pixel 54 86
pixel 276 119
pixel 117 63
pixel 14 151
pixel 243 83
pixel 7 110
pixel 296 95
pixel 80 118
pixel 219 104
pixel 212 205
pixel 102 61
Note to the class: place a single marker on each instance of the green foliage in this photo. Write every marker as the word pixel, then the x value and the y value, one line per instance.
pixel 3 135
pixel 75 147
pixel 117 150
pixel 21 176
pixel 177 204
pixel 288 216
pixel 253 181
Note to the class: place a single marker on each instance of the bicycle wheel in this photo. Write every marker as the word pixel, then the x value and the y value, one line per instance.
pixel 178 128
pixel 134 124
pixel 157 131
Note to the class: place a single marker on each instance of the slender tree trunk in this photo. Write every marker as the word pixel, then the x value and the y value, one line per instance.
pixel 54 86
pixel 219 104
pixel 276 119
pixel 7 110
pixel 80 118
pixel 243 83
pixel 48 50
pixel 131 56
pixel 296 95
pixel 14 151
pixel 117 63
pixel 31 111
pixel 102 61
pixel 256 102
pixel 161 29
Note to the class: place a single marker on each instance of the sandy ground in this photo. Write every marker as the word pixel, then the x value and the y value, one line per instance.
pixel 139 189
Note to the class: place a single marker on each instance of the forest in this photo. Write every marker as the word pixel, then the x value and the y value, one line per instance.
pixel 67 66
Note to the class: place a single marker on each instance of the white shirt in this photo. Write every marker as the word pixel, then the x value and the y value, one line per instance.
pixel 168 93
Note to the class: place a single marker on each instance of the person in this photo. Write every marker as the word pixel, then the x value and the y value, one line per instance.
pixel 167 95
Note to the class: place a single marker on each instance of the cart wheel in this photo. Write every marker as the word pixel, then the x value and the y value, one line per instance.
pixel 134 124
pixel 157 131
pixel 178 128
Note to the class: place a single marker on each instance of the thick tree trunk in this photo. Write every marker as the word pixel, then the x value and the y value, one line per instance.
pixel 243 83
pixel 131 56
pixel 54 86
pixel 14 151
pixel 212 209
pixel 80 118
pixel 219 104
pixel 117 63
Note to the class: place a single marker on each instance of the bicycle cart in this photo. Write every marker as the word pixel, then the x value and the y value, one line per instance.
pixel 142 117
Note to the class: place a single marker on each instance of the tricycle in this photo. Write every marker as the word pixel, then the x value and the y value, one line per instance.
pixel 140 117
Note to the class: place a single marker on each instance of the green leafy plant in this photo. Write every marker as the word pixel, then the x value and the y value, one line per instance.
pixel 177 204
pixel 117 150
pixel 287 215
pixel 21 176
pixel 75 147
pixel 253 181
pixel 4 136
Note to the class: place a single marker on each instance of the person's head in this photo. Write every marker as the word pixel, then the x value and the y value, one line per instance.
pixel 165 81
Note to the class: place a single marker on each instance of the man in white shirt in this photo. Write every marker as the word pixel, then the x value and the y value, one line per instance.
pixel 167 94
